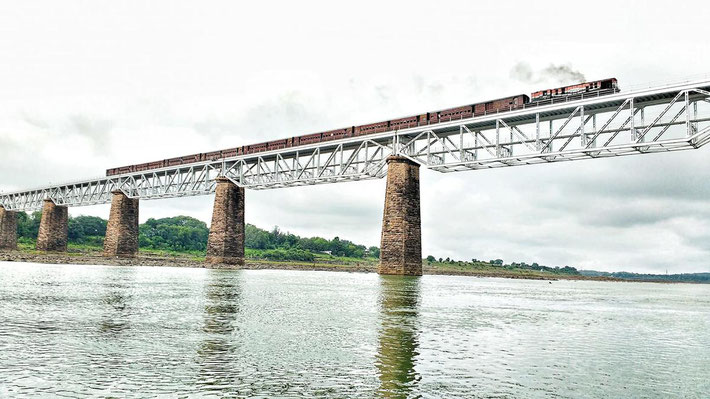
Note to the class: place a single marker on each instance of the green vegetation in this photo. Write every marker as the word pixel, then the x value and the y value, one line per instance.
pixel 498 266
pixel 677 278
pixel 183 234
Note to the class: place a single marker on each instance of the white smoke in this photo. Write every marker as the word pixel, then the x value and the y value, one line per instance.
pixel 554 74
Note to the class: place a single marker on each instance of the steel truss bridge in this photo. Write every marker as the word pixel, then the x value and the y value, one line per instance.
pixel 661 119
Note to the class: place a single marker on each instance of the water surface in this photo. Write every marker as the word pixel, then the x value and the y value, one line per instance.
pixel 98 331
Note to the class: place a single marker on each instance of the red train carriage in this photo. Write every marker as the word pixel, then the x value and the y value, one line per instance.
pixel 190 158
pixel 173 161
pixel 604 85
pixel 338 134
pixel 148 166
pixel 310 138
pixel 500 105
pixel 277 144
pixel 253 148
pixel 212 156
pixel 372 128
pixel 231 152
pixel 456 113
pixel 433 117
pixel 410 121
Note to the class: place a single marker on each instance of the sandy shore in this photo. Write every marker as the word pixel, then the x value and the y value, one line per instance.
pixel 94 258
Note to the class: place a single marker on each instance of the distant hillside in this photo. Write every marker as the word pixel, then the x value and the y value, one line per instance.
pixel 680 278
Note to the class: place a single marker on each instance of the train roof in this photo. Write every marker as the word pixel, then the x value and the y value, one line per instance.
pixel 575 84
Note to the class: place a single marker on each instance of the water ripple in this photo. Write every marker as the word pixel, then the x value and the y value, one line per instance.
pixel 93 331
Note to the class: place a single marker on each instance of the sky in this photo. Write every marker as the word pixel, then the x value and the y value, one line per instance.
pixel 88 85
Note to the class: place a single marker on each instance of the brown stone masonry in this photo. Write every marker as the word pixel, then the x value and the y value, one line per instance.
pixel 122 229
pixel 226 240
pixel 8 229
pixel 53 227
pixel 401 245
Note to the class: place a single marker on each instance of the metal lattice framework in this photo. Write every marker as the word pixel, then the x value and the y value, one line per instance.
pixel 669 118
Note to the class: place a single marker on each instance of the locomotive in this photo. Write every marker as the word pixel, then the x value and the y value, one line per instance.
pixel 506 104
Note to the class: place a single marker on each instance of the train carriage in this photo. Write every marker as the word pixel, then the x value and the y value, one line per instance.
pixel 372 128
pixel 410 121
pixel 506 104
pixel 310 138
pixel 500 105
pixel 277 144
pixel 598 86
pixel 254 148
pixel 456 113
pixel 338 134
pixel 231 152
pixel 212 156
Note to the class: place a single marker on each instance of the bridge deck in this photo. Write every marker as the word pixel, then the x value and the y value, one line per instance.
pixel 668 118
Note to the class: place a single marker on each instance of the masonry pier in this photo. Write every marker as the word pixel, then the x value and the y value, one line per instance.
pixel 53 226
pixel 401 244
pixel 226 240
pixel 122 228
pixel 8 229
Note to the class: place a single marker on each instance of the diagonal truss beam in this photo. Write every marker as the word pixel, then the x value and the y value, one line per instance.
pixel 535 134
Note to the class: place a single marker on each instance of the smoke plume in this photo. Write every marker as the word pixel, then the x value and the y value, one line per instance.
pixel 557 74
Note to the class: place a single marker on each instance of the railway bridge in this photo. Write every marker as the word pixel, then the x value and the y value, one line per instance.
pixel 658 119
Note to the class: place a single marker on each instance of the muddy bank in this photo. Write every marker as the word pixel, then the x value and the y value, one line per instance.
pixel 95 258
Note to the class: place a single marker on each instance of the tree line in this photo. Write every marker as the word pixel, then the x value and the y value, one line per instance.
pixel 187 234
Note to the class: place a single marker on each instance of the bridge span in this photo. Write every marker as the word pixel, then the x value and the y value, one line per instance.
pixel 659 119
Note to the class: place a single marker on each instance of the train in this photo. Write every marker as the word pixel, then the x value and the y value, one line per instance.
pixel 506 104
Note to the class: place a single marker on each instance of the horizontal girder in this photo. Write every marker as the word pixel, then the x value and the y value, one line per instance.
pixel 663 119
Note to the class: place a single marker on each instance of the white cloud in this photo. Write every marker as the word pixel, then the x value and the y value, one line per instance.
pixel 92 85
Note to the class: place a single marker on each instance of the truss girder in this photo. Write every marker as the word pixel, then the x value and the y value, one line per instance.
pixel 540 134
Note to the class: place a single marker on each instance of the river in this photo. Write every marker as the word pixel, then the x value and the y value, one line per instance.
pixel 103 331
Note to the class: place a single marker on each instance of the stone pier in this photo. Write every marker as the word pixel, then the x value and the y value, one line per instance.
pixel 122 229
pixel 401 245
pixel 52 234
pixel 226 240
pixel 8 229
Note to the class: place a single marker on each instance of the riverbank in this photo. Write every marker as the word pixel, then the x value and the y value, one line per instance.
pixel 185 260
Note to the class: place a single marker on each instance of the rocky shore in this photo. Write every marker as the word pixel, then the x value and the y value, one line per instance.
pixel 95 258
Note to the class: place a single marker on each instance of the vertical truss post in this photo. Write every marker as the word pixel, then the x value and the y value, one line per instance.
pixel 582 134
pixel 594 130
pixel 695 117
pixel 342 151
pixel 632 124
pixel 318 164
pixel 688 131
pixel 461 156
pixel 642 115
pixel 497 137
pixel 475 145
pixel 538 144
pixel 510 142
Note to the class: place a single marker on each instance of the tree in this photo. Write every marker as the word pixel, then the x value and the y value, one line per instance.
pixel 430 259
pixel 82 227
pixel 374 252
pixel 180 233
pixel 28 225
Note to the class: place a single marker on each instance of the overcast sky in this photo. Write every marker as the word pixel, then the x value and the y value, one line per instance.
pixel 87 85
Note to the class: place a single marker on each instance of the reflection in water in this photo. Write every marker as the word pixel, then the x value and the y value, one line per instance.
pixel 116 301
pixel 399 298
pixel 217 348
